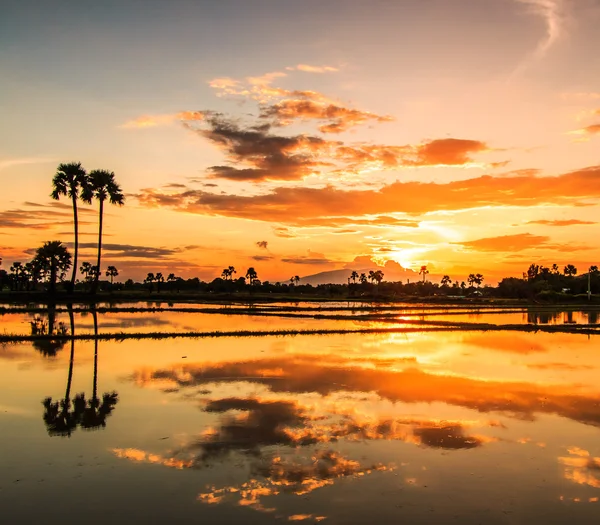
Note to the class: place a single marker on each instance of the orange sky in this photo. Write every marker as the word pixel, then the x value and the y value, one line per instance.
pixel 462 135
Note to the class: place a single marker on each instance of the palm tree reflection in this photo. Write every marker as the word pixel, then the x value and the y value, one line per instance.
pixel 49 347
pixel 64 416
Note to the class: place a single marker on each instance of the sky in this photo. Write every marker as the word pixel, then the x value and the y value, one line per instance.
pixel 302 137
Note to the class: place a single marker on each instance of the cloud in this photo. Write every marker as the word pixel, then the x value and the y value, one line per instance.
pixel 594 129
pixel 335 118
pixel 311 258
pixel 313 69
pixel 268 157
pixel 552 13
pixel 20 161
pixel 261 258
pixel 165 119
pixel 292 205
pixel 262 244
pixel 114 251
pixel 49 217
pixel 563 367
pixel 519 242
pixel 566 222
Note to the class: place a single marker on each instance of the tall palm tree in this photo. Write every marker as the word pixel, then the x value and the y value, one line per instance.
pixel 70 179
pixel 55 260
pixel 102 186
pixel 231 271
pixel 354 276
pixel 423 271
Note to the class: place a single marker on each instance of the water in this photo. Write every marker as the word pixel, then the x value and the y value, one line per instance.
pixel 432 427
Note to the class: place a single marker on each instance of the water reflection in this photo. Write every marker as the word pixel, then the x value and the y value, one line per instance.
pixel 64 416
pixel 424 428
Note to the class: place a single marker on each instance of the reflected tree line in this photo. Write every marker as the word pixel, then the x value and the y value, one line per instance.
pixel 63 416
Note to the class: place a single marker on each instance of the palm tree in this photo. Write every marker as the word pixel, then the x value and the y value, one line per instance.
pixel 112 272
pixel 102 186
pixel 70 179
pixel 17 270
pixel 378 276
pixel 478 279
pixel 171 279
pixel 371 276
pixel 593 269
pixel 446 281
pixel 354 276
pixel 296 279
pixel 570 270
pixel 225 273
pixel 363 278
pixel 251 275
pixel 231 271
pixel 159 279
pixel 86 270
pixel 555 269
pixel 149 280
pixel 55 260
pixel 423 271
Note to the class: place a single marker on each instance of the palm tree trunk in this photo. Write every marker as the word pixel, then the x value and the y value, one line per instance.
pixel 95 389
pixel 70 376
pixel 76 227
pixel 97 276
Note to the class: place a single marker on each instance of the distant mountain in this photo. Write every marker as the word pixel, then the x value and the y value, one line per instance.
pixel 341 276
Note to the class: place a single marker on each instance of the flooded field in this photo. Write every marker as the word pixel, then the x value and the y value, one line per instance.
pixel 424 427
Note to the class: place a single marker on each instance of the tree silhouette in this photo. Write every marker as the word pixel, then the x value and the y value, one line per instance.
pixel 423 271
pixel 478 279
pixel 231 271
pixel 149 280
pixel 112 272
pixel 225 273
pixel 378 276
pixel 159 279
pixel 555 269
pixel 62 417
pixel 251 275
pixel 354 276
pixel 363 278
pixel 54 260
pixel 570 270
pixel 102 186
pixel 70 179
pixel 59 419
pixel 446 281
pixel 593 269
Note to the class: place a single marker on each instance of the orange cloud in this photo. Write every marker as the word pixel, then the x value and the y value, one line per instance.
pixel 587 132
pixel 292 205
pixel 313 69
pixel 519 242
pixel 567 222
pixel 336 118
pixel 152 121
